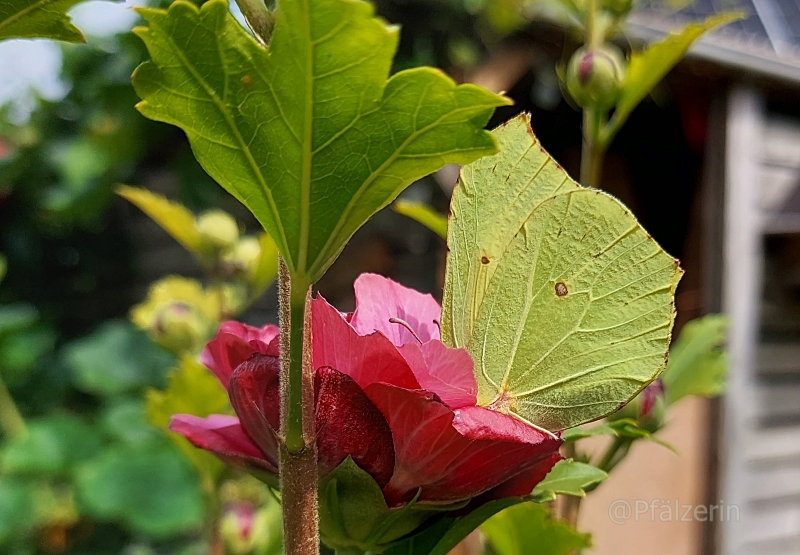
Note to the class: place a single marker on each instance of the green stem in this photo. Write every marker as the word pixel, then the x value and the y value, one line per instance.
pixel 294 421
pixel 297 457
pixel 259 18
pixel 610 453
pixel 11 420
pixel 593 152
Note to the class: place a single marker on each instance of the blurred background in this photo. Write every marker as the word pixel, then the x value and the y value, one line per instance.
pixel 710 164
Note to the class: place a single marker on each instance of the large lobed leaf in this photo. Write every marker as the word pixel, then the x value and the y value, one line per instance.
pixel 308 134
pixel 564 302
pixel 28 19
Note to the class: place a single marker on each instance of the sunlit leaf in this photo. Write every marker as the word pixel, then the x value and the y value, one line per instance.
pixel 28 19
pixel 697 361
pixel 192 389
pixel 424 214
pixel 563 300
pixel 309 134
pixel 173 217
pixel 528 529
pixel 649 66
pixel 568 478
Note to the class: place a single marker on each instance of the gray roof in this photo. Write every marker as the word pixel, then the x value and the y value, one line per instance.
pixel 767 42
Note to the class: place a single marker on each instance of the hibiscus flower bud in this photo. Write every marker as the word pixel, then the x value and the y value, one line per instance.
pixel 595 76
pixel 178 314
pixel 241 260
pixel 180 328
pixel 218 230
pixel 248 530
pixel 647 408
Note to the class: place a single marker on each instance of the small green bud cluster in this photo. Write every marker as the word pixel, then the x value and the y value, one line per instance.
pixel 595 76
pixel 180 327
pixel 218 230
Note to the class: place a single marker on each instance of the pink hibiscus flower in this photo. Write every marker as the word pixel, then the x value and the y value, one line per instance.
pixel 388 393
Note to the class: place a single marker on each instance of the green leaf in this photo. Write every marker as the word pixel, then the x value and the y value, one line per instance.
pixel 14 317
pixel 192 389
pixel 444 534
pixel 646 68
pixel 125 421
pixel 309 134
pixel 697 361
pixel 568 478
pixel 563 300
pixel 17 514
pixel 116 358
pixel 424 214
pixel 3 267
pixel 51 446
pixel 354 514
pixel 28 19
pixel 527 529
pixel 152 491
pixel 625 427
pixel 22 350
pixel 173 217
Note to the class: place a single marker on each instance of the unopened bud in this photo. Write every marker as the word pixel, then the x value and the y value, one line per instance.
pixel 218 230
pixel 242 259
pixel 180 327
pixel 247 530
pixel 595 76
pixel 647 408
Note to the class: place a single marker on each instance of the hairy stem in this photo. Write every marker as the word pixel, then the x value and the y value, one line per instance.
pixel 11 421
pixel 298 450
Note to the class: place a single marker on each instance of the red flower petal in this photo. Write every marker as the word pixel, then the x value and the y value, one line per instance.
pixel 223 436
pixel 523 483
pixel 233 344
pixel 349 424
pixel 443 370
pixel 367 359
pixel 453 455
pixel 254 389
pixel 379 299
